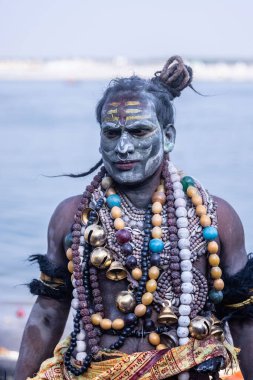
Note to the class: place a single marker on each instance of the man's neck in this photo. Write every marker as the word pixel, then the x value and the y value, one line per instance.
pixel 140 194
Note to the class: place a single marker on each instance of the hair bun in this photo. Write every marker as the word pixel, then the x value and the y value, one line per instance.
pixel 175 75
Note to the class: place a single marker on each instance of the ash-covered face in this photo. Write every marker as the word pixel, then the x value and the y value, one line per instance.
pixel 131 139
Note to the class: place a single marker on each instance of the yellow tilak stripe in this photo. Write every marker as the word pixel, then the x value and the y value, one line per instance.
pixel 114 104
pixel 137 117
pixel 112 111
pixel 133 103
pixel 133 110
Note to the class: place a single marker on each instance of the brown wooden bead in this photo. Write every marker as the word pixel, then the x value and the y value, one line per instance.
pixel 205 221
pixel 197 200
pixel 191 191
pixel 140 310
pixel 160 347
pixel 154 273
pixel 70 266
pixel 116 212
pixel 156 232
pixel 212 247
pixel 216 273
pixel 154 339
pixel 96 319
pixel 147 298
pixel 214 260
pixel 157 220
pixel 218 284
pixel 110 191
pixel 161 189
pixel 118 324
pixel 137 273
pixel 106 324
pixel 119 224
pixel 159 196
pixel 151 285
pixel 201 210
pixel 69 254
pixel 157 208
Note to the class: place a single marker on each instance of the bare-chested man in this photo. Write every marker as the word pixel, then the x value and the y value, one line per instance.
pixel 149 253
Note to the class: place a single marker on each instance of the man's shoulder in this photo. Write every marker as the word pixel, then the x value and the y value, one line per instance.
pixel 68 205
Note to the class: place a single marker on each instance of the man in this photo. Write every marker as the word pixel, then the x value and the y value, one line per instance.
pixel 146 258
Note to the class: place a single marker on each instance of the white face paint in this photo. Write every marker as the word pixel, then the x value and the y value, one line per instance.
pixel 131 139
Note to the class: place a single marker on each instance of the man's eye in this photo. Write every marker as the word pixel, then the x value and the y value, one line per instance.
pixel 111 134
pixel 139 132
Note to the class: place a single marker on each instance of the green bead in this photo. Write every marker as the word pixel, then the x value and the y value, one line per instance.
pixel 68 241
pixel 187 181
pixel 216 296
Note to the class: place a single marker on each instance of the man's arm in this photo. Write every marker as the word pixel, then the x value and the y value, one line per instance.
pixel 233 259
pixel 48 316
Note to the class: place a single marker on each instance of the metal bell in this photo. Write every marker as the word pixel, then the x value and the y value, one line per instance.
pixel 200 327
pixel 101 258
pixel 218 332
pixel 166 316
pixel 170 338
pixel 116 272
pixel 86 213
pixel 125 301
pixel 95 235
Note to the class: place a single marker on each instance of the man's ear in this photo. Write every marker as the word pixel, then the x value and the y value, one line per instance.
pixel 169 137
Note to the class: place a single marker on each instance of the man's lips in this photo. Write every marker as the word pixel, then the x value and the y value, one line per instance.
pixel 125 165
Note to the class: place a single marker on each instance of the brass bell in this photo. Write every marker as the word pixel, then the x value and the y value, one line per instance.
pixel 95 235
pixel 200 327
pixel 125 301
pixel 101 258
pixel 166 316
pixel 170 338
pixel 86 213
pixel 116 272
pixel 214 320
pixel 217 332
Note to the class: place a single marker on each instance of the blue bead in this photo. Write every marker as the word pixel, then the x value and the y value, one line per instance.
pixel 156 245
pixel 210 233
pixel 113 200
pixel 216 296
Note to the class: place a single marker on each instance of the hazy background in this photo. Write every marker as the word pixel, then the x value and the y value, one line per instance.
pixel 56 58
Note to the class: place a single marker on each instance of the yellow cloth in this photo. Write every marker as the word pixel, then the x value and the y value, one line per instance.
pixel 149 365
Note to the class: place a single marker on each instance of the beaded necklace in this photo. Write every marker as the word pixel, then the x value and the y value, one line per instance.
pixel 89 250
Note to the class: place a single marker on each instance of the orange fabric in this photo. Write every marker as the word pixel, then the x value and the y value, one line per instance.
pixel 235 376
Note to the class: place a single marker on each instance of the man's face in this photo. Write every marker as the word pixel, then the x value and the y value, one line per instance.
pixel 131 138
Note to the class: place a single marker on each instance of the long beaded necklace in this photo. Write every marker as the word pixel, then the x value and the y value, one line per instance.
pixel 89 319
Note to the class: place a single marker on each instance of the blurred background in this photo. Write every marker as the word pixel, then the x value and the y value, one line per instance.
pixel 57 57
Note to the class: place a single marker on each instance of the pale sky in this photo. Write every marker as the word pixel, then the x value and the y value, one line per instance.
pixel 132 28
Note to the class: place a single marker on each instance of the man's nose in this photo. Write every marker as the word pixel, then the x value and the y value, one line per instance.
pixel 124 145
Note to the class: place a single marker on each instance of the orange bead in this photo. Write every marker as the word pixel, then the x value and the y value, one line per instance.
pixel 191 191
pixel 140 310
pixel 214 260
pixel 157 208
pixel 156 232
pixel 119 224
pixel 116 212
pixel 154 339
pixel 212 247
pixel 201 210
pixel 69 254
pixel 137 273
pixel 218 284
pixel 70 266
pixel 160 189
pixel 205 221
pixel 159 196
pixel 96 319
pixel 106 324
pixel 161 347
pixel 118 324
pixel 216 273
pixel 157 220
pixel 154 272
pixel 147 298
pixel 110 191
pixel 151 286
pixel 197 200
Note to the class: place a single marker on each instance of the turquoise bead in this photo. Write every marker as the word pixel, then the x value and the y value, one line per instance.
pixel 156 245
pixel 187 181
pixel 216 296
pixel 68 241
pixel 210 233
pixel 113 200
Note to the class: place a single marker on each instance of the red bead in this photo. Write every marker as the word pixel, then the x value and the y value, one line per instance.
pixel 123 236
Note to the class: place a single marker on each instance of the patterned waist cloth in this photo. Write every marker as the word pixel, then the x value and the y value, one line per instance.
pixel 149 365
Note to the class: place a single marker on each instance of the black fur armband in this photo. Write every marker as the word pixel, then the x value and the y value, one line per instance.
pixel 54 281
pixel 238 294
